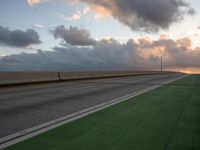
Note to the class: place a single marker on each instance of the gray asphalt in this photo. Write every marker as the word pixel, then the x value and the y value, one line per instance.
pixel 23 107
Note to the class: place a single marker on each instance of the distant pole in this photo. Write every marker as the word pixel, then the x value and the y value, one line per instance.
pixel 161 64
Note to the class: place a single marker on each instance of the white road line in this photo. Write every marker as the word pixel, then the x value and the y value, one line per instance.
pixel 31 132
pixel 68 90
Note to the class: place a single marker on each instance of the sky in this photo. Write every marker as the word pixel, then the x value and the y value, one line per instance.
pixel 82 35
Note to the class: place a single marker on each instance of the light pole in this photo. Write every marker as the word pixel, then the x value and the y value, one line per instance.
pixel 161 64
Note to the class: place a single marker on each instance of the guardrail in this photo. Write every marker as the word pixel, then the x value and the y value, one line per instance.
pixel 13 78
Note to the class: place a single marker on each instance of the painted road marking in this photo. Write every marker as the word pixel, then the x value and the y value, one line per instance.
pixel 69 90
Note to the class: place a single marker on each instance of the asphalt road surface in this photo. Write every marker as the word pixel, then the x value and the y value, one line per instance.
pixel 23 107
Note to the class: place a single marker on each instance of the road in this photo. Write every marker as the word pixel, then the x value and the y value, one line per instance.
pixel 22 107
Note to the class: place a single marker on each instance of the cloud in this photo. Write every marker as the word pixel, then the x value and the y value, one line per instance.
pixel 73 2
pixel 38 26
pixel 143 15
pixel 97 12
pixel 33 2
pixel 100 12
pixel 18 38
pixel 198 27
pixel 76 16
pixel 86 10
pixel 74 36
pixel 106 55
pixel 177 53
pixel 109 54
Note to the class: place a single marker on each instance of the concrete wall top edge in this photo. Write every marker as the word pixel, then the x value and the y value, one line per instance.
pixel 26 77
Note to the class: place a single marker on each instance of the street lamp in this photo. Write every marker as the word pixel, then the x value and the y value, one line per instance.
pixel 161 64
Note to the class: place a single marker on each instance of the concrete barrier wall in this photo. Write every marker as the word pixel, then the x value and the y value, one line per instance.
pixel 100 74
pixel 9 78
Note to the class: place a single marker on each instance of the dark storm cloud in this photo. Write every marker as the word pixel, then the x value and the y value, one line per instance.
pixel 108 55
pixel 105 55
pixel 145 15
pixel 18 38
pixel 74 36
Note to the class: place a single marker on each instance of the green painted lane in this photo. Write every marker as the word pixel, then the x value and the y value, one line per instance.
pixel 167 118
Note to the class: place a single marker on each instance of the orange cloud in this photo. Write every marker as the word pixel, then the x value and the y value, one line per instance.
pixel 190 70
pixel 147 49
pixel 101 12
pixel 164 36
pixel 184 42
pixel 156 52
